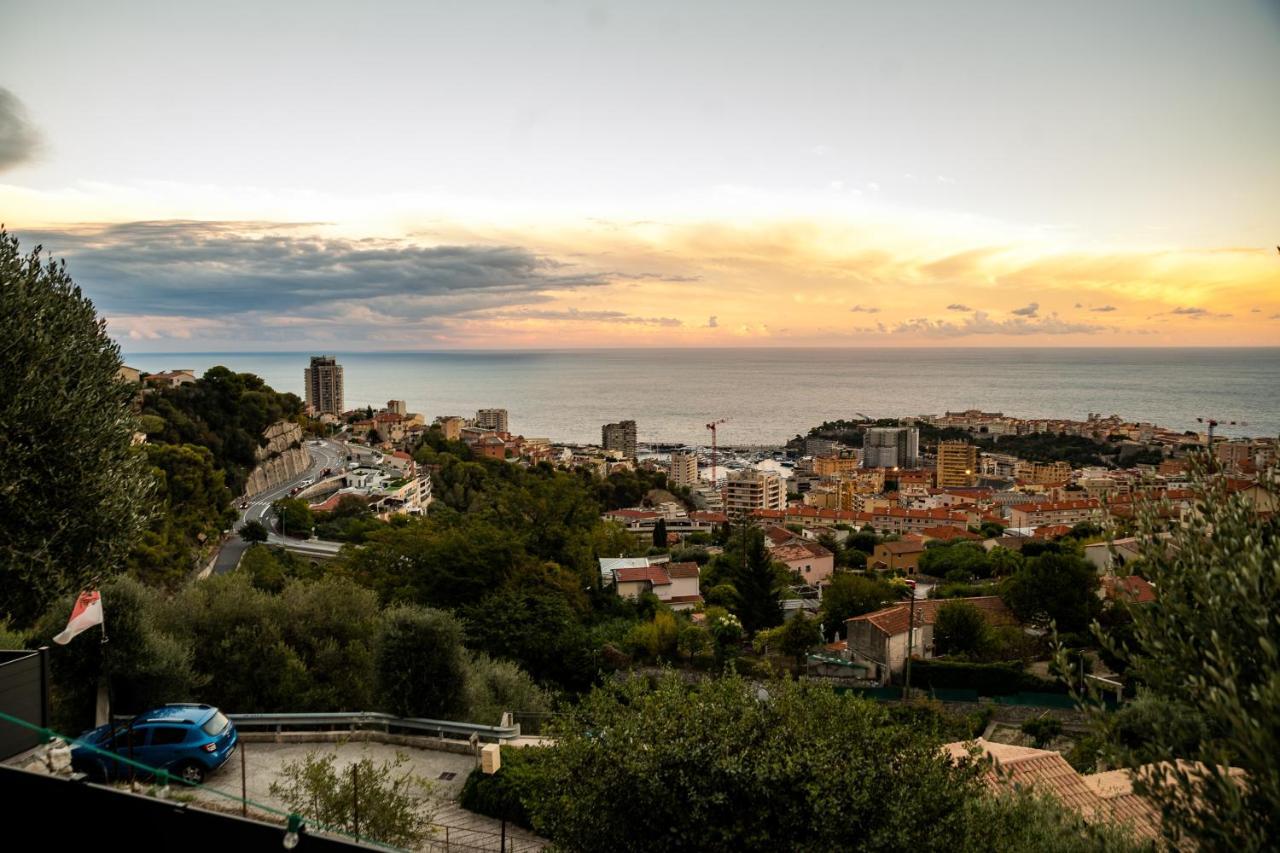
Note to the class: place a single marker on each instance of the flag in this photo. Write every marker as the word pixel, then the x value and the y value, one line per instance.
pixel 86 614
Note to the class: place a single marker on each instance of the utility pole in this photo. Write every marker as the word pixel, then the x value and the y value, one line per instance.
pixel 911 637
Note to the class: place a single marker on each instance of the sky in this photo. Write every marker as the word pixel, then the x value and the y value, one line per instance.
pixel 416 175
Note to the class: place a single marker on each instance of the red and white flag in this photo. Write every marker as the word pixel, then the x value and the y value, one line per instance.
pixel 86 614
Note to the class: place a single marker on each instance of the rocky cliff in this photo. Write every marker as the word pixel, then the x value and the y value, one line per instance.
pixel 284 458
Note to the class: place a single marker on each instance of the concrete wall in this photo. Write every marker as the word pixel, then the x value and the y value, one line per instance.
pixel 279 462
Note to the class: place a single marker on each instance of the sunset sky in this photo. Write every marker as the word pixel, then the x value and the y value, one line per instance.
pixel 272 176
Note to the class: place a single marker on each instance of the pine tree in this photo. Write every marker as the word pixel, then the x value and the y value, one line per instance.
pixel 660 534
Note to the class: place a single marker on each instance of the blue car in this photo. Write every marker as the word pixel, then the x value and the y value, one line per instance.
pixel 189 741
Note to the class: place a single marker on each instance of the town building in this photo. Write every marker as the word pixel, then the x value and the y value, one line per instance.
pixel 451 426
pixel 129 375
pixel 620 437
pixel 492 419
pixel 171 378
pixel 683 470
pixel 1055 512
pixel 880 638
pixel 810 562
pixel 397 407
pixel 831 467
pixel 323 384
pixel 957 464
pixel 891 447
pixel 749 490
pixel 900 556
pixel 1043 473
pixel 675 584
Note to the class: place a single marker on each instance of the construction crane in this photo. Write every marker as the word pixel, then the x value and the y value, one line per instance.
pixel 864 417
pixel 1214 422
pixel 714 448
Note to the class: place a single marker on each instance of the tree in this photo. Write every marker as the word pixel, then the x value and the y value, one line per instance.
pixel 757 584
pixel 851 595
pixel 960 630
pixel 294 515
pixel 1054 587
pixel 537 629
pixel 387 802
pixel 253 531
pixel 726 764
pixel 798 636
pixel 941 560
pixel 76 493
pixel 1208 648
pixel 660 534
pixel 421 667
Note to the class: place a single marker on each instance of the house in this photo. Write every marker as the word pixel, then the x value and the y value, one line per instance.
pixel 171 378
pixel 610 565
pixel 881 637
pixel 675 584
pixel 809 560
pixel 900 556
pixel 1134 589
pixel 1106 797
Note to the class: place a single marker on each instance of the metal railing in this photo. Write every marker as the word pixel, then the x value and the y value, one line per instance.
pixel 446 839
pixel 375 721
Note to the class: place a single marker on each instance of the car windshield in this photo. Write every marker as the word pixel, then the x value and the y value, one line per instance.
pixel 216 723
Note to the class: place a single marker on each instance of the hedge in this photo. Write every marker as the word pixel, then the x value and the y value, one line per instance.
pixel 503 794
pixel 989 679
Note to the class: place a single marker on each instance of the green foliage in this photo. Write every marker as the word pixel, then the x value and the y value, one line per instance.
pixel 422 667
pixel 1208 653
pixel 294 517
pixel 1042 730
pixel 394 805
pixel 270 569
pixel 537 628
pixel 660 534
pixel 147 665
pixel 852 595
pixel 195 507
pixel 968 558
pixel 76 494
pixel 1080 451
pixel 756 581
pixel 350 521
pixel 725 765
pixel 654 640
pixel 960 629
pixel 1058 588
pixel 989 679
pixel 223 411
pixel 795 637
pixel 494 687
pixel 501 795
pixel 254 531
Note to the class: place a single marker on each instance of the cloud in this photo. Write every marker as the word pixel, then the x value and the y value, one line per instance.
pixel 1102 309
pixel 1027 310
pixel 956 306
pixel 1274 317
pixel 713 322
pixel 1255 310
pixel 575 315
pixel 20 141
pixel 865 309
pixel 1190 312
pixel 186 268
pixel 982 324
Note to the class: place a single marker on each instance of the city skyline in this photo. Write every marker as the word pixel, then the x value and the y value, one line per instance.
pixel 725 176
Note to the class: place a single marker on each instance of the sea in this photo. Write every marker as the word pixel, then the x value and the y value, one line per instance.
pixel 766 396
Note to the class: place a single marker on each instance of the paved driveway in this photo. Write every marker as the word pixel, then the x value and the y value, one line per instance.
pixel 464 830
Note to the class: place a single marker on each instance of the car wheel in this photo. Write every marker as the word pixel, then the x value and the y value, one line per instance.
pixel 190 773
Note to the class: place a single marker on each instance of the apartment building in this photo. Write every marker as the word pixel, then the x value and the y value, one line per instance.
pixel 451 426
pixel 1043 473
pixel 891 447
pixel 749 490
pixel 492 419
pixel 620 437
pixel 683 470
pixel 831 467
pixel 1057 512
pixel 957 464
pixel 323 383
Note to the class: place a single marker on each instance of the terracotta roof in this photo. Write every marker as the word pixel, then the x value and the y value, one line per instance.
pixel 948 532
pixel 713 517
pixel 895 620
pixel 904 546
pixel 684 599
pixel 778 535
pixel 654 574
pixel 1052 531
pixel 1088 503
pixel 1133 588
pixel 632 513
pixel 682 570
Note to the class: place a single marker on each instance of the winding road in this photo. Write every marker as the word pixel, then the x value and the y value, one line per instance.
pixel 324 454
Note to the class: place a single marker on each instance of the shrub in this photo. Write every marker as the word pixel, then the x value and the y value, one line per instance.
pixel 503 794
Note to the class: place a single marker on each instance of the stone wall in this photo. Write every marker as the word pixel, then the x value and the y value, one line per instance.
pixel 279 461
